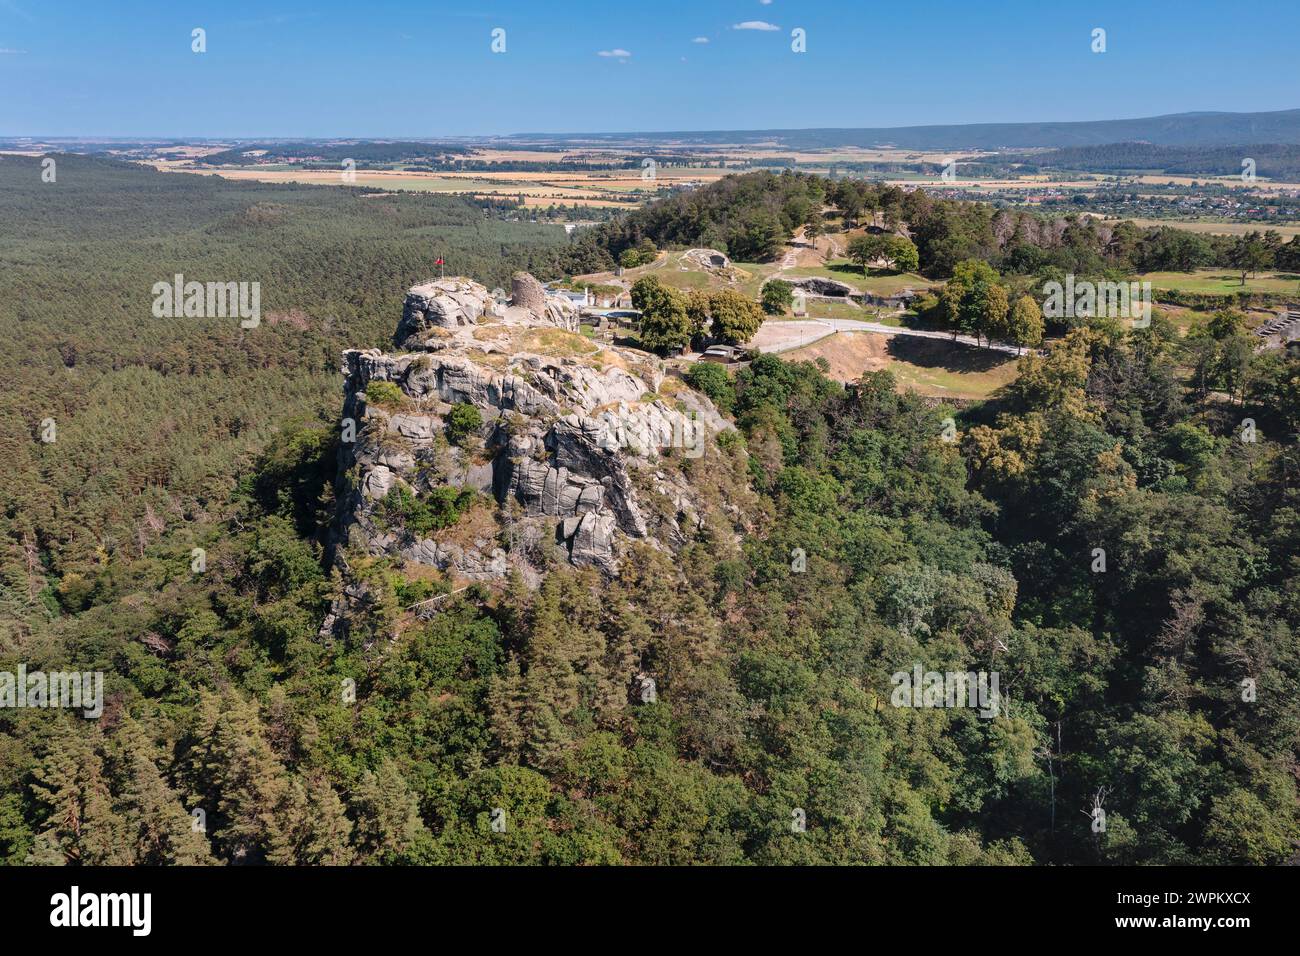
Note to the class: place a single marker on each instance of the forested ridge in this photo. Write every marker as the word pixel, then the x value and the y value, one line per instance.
pixel 1174 129
pixel 1276 160
pixel 954 540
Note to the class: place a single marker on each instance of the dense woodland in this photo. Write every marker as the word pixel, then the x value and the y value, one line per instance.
pixel 975 553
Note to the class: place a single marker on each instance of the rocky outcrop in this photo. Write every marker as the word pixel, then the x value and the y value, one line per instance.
pixel 828 288
pixel 571 440
pixel 441 304
pixel 527 293
pixel 706 259
pixel 453 304
pixel 531 303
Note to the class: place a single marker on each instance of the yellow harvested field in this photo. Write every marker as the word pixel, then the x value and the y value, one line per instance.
pixel 537 192
pixel 623 188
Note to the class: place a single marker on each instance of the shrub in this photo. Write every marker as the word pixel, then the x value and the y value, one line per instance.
pixel 413 592
pixel 714 382
pixel 438 508
pixel 384 393
pixel 462 421
pixel 728 439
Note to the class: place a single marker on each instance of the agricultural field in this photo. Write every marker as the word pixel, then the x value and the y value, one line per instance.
pixel 677 166
pixel 682 165
pixel 535 191
pixel 540 187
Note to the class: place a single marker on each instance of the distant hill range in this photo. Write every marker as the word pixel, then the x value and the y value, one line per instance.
pixel 1271 160
pixel 1176 129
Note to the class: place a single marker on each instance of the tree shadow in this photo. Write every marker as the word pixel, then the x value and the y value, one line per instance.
pixel 946 354
pixel 855 270
pixel 845 268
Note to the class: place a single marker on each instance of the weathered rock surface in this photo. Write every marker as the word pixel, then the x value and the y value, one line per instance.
pixel 441 304
pixel 527 293
pixel 833 288
pixel 568 447
pixel 455 303
pixel 531 303
pixel 707 258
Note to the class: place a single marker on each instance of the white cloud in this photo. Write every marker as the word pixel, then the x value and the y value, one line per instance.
pixel 614 52
pixel 764 2
pixel 700 40
pixel 755 25
pixel 4 51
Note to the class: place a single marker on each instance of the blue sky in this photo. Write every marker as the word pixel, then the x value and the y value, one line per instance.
pixel 395 67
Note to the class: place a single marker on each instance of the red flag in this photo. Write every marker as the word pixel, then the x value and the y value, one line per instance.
pixel 439 262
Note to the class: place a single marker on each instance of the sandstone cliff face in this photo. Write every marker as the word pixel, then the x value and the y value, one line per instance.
pixel 455 303
pixel 441 304
pixel 573 438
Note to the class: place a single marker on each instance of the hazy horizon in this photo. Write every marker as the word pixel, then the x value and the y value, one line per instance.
pixel 575 133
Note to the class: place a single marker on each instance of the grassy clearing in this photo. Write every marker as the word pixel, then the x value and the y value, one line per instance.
pixel 1223 282
pixel 690 279
pixel 756 274
pixel 879 281
pixel 944 383
pixel 557 342
pixel 823 309
pixel 668 269
pixel 932 367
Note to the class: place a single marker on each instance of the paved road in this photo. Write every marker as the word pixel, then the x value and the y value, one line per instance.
pixel 792 335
